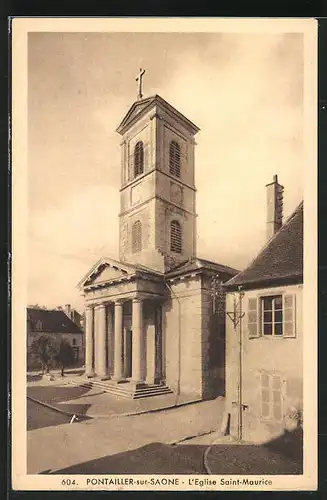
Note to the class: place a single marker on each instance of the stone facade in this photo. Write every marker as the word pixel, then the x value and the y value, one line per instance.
pixel 149 316
pixel 156 197
pixel 272 359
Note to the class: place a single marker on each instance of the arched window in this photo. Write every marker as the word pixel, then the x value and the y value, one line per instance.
pixel 138 159
pixel 175 159
pixel 175 237
pixel 136 236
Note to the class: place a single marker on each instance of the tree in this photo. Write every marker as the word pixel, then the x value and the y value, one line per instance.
pixel 44 349
pixel 65 355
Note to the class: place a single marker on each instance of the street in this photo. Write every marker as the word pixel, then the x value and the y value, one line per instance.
pixel 125 445
pixel 39 416
pixel 141 444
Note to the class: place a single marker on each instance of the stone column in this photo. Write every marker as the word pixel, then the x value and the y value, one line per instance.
pixel 118 368
pixel 100 337
pixel 110 341
pixel 138 342
pixel 89 345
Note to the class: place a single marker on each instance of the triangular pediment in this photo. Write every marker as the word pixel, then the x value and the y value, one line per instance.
pixel 106 270
pixel 144 105
pixel 134 111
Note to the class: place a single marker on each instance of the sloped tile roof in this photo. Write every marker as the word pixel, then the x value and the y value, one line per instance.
pixel 196 264
pixel 52 320
pixel 280 259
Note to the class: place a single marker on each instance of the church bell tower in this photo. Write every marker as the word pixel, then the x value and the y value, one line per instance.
pixel 157 203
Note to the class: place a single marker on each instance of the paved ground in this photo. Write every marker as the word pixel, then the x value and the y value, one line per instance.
pixel 39 416
pixel 124 444
pixel 63 395
pixel 226 456
pixel 137 444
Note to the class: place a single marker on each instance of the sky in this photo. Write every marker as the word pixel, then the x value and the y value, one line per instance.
pixel 244 91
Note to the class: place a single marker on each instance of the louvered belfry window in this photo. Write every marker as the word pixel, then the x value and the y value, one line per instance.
pixel 137 236
pixel 138 159
pixel 175 159
pixel 175 237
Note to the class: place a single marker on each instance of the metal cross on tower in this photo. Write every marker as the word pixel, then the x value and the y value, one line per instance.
pixel 139 79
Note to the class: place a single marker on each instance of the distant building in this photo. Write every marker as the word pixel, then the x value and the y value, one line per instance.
pixel 264 366
pixel 59 325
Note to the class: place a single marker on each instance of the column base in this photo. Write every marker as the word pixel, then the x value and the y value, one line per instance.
pixel 89 375
pixel 118 380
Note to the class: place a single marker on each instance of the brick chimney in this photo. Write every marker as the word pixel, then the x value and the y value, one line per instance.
pixel 274 207
pixel 68 311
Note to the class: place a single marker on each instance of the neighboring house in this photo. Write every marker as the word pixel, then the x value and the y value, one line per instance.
pixel 266 366
pixel 57 324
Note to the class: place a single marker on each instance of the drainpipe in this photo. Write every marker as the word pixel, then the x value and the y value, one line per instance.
pixel 179 342
pixel 240 379
pixel 236 317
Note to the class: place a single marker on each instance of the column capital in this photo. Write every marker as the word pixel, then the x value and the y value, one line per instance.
pixel 137 299
pixel 88 307
pixel 100 306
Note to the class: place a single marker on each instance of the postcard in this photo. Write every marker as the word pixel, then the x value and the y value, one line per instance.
pixel 164 254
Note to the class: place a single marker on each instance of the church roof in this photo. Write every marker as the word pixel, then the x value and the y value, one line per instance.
pixel 201 264
pixel 281 259
pixel 51 321
pixel 139 108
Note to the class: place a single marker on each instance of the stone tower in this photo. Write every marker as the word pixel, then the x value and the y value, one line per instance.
pixel 157 212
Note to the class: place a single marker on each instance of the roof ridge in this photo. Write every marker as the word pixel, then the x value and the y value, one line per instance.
pixel 269 242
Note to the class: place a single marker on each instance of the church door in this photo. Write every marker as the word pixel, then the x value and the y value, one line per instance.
pixel 128 353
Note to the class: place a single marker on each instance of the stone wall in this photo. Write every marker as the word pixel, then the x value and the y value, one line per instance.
pixel 271 356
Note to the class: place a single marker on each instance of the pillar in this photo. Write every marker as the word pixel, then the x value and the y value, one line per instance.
pixel 89 347
pixel 100 338
pixel 118 368
pixel 138 342
pixel 110 340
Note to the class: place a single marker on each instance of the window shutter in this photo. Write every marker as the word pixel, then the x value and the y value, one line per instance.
pixel 265 395
pixel 253 318
pixel 289 320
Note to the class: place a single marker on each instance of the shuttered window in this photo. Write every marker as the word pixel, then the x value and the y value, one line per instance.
pixel 289 323
pixel 175 237
pixel 272 315
pixel 137 237
pixel 138 159
pixel 175 159
pixel 252 318
pixel 271 396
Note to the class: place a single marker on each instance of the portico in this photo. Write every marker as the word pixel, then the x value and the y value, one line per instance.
pixel 123 330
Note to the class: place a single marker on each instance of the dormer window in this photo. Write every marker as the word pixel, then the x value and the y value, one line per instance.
pixel 138 159
pixel 175 159
pixel 39 325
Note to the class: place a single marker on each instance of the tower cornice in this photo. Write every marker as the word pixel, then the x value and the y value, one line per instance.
pixel 142 106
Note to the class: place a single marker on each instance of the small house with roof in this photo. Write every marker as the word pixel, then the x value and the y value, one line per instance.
pixel 57 324
pixel 264 336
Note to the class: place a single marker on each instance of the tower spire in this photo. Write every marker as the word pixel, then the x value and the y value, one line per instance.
pixel 139 79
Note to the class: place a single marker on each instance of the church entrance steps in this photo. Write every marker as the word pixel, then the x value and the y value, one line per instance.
pixel 126 390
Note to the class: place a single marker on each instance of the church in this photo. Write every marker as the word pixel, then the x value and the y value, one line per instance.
pixel 154 318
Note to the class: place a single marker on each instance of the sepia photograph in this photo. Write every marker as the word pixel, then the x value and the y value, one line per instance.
pixel 164 254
